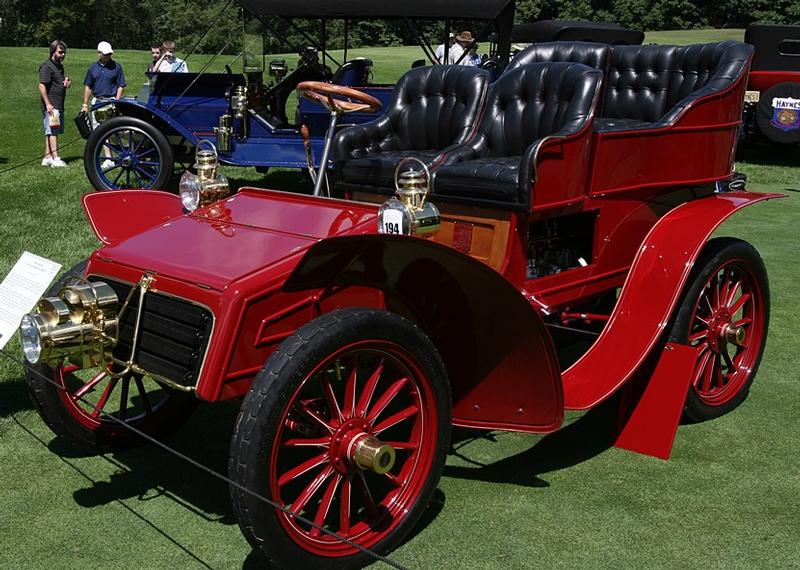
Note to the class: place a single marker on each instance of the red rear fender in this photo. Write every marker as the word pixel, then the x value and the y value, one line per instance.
pixel 499 357
pixel 649 295
pixel 116 216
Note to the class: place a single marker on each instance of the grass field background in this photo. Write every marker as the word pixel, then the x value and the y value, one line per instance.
pixel 728 498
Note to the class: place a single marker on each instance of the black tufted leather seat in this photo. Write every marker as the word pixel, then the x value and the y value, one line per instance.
pixel 588 53
pixel 524 106
pixel 432 108
pixel 651 86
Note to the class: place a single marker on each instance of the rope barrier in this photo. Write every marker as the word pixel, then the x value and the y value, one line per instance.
pixel 40 157
pixel 208 470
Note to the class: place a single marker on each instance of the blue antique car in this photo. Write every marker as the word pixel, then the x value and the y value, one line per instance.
pixel 252 124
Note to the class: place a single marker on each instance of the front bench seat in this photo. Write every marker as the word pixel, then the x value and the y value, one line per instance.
pixel 432 108
pixel 524 106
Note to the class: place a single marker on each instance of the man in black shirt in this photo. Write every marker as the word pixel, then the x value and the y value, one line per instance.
pixel 53 84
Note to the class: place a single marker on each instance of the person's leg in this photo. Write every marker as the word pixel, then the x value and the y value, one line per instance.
pixel 48 158
pixel 54 132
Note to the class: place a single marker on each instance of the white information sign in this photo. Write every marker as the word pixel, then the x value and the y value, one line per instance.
pixel 21 289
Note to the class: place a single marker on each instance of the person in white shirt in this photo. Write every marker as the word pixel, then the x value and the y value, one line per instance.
pixel 440 50
pixel 169 63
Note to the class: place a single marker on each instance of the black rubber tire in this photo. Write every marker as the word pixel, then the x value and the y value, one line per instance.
pixel 159 140
pixel 45 396
pixel 717 253
pixel 765 113
pixel 262 412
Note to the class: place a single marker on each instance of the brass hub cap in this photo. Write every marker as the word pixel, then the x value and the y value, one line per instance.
pixel 353 445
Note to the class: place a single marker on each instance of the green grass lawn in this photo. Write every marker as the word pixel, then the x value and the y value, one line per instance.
pixel 728 497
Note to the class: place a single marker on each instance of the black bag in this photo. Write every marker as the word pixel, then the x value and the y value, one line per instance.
pixel 84 124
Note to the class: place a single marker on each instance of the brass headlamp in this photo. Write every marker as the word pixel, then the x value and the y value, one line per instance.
pixel 78 325
pixel 208 185
pixel 409 213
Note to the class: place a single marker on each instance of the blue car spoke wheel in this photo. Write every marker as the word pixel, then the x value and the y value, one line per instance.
pixel 126 152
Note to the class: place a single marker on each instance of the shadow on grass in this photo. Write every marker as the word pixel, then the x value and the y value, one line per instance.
pixel 65 458
pixel 3 160
pixel 148 472
pixel 580 441
pixel 14 397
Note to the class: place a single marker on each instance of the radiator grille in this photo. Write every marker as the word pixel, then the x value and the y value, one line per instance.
pixel 173 337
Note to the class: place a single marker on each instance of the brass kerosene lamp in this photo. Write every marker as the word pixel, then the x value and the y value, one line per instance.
pixel 208 185
pixel 409 213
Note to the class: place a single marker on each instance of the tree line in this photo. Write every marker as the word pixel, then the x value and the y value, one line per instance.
pixel 135 24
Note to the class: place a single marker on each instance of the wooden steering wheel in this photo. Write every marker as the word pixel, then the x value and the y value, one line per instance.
pixel 348 100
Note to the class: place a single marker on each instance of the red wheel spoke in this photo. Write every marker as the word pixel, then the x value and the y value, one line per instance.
pixel 304 467
pixel 700 373
pixel 395 419
pixel 90 385
pixel 369 390
pixel 699 335
pixel 315 416
pixel 148 409
pixel 311 489
pixel 363 488
pixel 742 322
pixel 396 481
pixel 732 293
pixel 739 303
pixel 350 394
pixel 715 370
pixel 728 361
pixel 715 293
pixel 707 299
pixel 307 442
pixel 386 399
pixel 69 369
pixel 123 398
pixel 101 403
pixel 725 282
pixel 325 504
pixel 330 399
pixel 344 507
pixel 404 445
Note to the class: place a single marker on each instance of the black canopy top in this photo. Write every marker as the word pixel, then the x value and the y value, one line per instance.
pixel 574 30
pixel 417 9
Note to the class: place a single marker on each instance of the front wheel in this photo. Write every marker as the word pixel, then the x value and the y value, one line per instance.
pixel 347 426
pixel 88 407
pixel 126 152
pixel 725 314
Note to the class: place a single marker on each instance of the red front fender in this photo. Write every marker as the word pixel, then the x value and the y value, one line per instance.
pixel 116 216
pixel 651 290
pixel 499 357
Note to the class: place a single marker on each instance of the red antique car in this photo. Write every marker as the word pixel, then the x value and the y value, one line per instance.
pixel 574 198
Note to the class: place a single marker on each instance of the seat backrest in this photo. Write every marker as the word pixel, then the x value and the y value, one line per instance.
pixel 637 82
pixel 702 69
pixel 353 73
pixel 655 83
pixel 536 100
pixel 435 106
pixel 588 53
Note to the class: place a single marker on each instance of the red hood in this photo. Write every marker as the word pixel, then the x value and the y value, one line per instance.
pixel 217 245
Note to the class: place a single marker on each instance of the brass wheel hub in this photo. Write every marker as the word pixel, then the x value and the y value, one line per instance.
pixel 722 331
pixel 353 445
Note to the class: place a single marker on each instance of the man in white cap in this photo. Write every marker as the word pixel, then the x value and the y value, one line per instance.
pixel 105 80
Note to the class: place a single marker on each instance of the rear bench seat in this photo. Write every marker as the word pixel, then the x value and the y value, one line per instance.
pixel 648 86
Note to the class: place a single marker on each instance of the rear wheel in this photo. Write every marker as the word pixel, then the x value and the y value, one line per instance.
pixel 126 152
pixel 725 313
pixel 347 425
pixel 79 404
